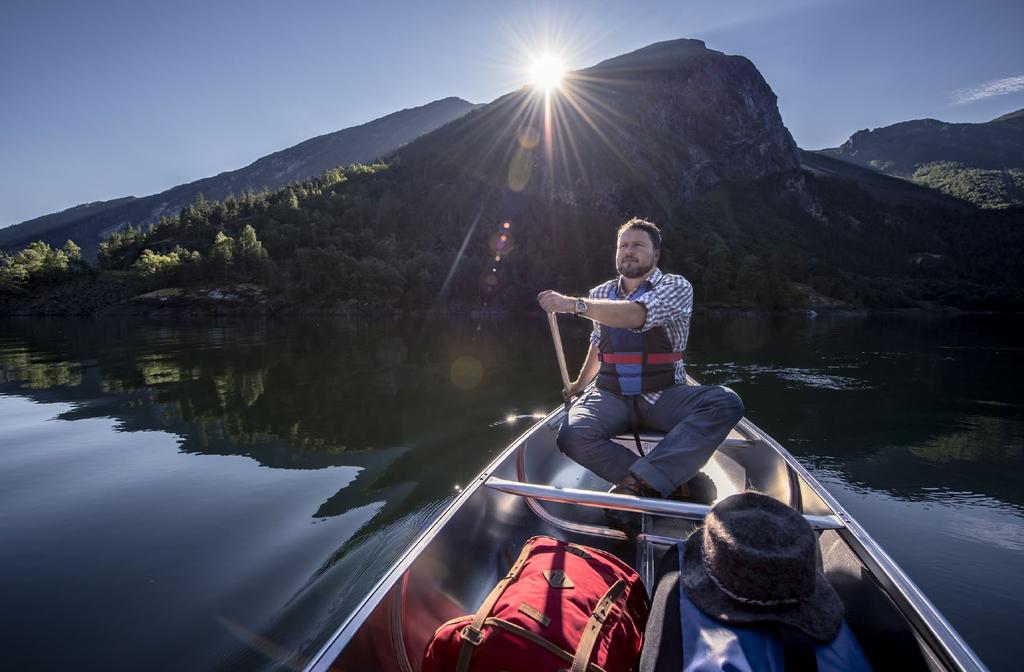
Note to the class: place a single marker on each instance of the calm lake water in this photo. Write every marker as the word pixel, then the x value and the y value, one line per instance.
pixel 210 495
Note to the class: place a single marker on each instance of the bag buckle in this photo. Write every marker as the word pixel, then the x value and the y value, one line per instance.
pixel 602 612
pixel 471 635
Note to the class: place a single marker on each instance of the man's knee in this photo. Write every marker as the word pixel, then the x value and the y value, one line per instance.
pixel 729 404
pixel 574 440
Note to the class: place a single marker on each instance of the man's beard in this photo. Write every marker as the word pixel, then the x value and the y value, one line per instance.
pixel 635 272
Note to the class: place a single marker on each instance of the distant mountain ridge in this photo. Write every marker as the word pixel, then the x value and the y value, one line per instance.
pixel 525 194
pixel 981 163
pixel 884 188
pixel 1017 114
pixel 33 229
pixel 88 224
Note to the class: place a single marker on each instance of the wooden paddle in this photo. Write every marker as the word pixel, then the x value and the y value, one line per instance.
pixel 559 352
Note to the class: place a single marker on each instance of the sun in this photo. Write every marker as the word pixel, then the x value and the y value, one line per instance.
pixel 546 72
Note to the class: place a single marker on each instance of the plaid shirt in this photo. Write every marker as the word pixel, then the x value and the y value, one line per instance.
pixel 669 302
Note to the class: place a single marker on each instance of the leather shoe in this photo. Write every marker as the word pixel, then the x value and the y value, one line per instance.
pixel 700 489
pixel 627 521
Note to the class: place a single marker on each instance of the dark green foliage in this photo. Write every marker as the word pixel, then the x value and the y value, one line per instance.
pixel 379 236
pixel 38 263
pixel 121 249
pixel 985 188
pixel 979 163
pixel 151 264
pixel 87 224
pixel 318 271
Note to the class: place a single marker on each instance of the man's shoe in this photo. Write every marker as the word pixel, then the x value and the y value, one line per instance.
pixel 627 521
pixel 700 489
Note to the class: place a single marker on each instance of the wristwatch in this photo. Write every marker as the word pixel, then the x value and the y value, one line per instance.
pixel 579 307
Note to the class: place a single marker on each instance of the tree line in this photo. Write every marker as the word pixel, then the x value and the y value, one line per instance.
pixel 417 234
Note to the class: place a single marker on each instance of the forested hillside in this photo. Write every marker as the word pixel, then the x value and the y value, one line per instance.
pixel 89 224
pixel 525 194
pixel 979 163
pixel 389 236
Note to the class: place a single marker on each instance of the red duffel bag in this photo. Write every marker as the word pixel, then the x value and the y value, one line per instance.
pixel 560 607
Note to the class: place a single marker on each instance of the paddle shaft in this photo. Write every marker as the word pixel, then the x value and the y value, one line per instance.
pixel 559 352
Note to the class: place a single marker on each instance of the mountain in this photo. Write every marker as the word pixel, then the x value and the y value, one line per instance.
pixel 667 122
pixel 981 163
pixel 88 224
pixel 691 138
pixel 1019 114
pixel 35 229
pixel 893 191
pixel 525 194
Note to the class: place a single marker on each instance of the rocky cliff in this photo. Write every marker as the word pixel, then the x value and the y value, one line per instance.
pixel 665 123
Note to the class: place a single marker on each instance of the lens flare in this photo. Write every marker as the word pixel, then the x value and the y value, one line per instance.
pixel 528 138
pixel 467 372
pixel 501 244
pixel 520 169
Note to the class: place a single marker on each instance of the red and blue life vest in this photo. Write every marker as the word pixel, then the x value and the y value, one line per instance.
pixel 634 362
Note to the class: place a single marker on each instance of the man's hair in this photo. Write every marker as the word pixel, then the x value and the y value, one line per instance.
pixel 650 227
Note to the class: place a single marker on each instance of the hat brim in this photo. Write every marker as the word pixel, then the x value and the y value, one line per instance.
pixel 820 615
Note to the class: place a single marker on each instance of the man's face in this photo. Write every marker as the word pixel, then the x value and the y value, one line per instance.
pixel 636 255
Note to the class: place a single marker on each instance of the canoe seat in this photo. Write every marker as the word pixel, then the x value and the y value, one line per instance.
pixel 735 439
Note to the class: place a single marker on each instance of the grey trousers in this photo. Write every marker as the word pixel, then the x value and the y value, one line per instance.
pixel 695 420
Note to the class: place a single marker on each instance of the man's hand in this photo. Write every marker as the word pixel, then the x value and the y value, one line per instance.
pixel 553 302
pixel 574 388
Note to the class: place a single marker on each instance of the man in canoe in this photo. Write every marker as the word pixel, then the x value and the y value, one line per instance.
pixel 641 324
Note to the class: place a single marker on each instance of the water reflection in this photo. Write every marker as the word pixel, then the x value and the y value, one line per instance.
pixel 288 396
pixel 18 365
pixel 881 400
pixel 306 454
pixel 369 411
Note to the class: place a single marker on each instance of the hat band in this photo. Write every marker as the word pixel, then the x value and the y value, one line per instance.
pixel 740 598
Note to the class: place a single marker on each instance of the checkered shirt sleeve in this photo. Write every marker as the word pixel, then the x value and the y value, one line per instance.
pixel 602 291
pixel 669 301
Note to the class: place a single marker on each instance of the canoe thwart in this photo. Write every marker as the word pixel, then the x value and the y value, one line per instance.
pixel 606 500
pixel 735 439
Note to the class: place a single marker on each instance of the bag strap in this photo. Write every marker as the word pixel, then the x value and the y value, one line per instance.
pixel 594 625
pixel 634 423
pixel 471 635
pixel 538 640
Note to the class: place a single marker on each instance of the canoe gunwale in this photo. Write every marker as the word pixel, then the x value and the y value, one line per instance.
pixel 324 658
pixel 922 615
pixel 916 607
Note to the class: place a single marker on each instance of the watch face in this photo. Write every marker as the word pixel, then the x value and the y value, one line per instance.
pixel 581 306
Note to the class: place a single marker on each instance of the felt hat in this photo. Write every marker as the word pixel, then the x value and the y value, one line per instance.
pixel 756 560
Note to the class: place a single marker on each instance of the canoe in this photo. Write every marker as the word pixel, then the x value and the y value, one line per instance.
pixel 531 489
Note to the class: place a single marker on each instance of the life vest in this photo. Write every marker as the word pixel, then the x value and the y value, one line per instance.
pixel 633 362
pixel 711 646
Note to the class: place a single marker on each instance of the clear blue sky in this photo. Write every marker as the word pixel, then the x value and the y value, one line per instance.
pixel 106 99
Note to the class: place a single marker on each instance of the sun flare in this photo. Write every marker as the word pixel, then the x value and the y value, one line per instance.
pixel 546 72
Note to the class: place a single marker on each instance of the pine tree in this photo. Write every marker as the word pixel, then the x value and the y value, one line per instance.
pixel 223 251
